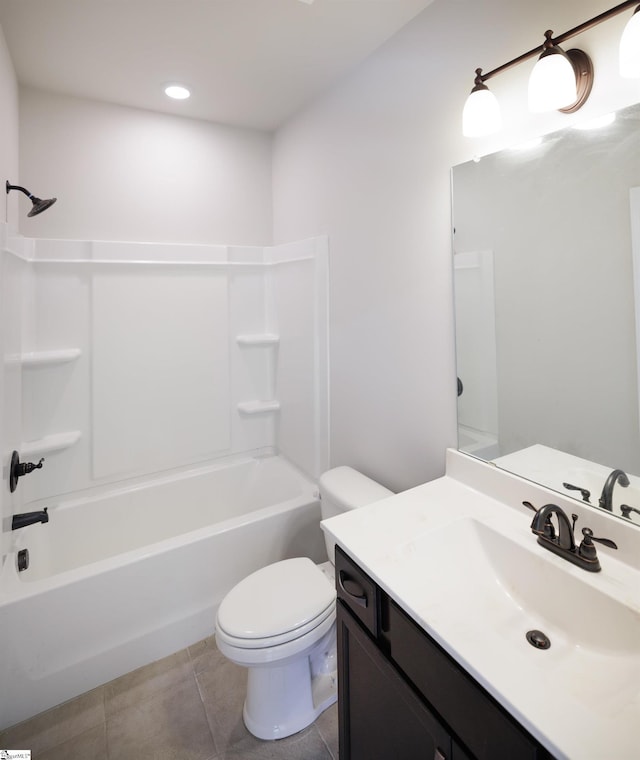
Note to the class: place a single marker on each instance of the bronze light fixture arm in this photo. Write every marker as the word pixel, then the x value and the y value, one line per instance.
pixel 595 21
pixel 550 41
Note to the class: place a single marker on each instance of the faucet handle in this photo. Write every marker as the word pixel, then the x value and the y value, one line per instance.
pixel 586 495
pixel 588 537
pixel 626 510
pixel 18 469
pixel 587 549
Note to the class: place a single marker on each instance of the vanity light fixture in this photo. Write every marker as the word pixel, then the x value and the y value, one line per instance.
pixel 559 81
pixel 630 47
pixel 481 115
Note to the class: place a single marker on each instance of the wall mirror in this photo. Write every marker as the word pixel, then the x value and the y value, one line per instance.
pixel 546 246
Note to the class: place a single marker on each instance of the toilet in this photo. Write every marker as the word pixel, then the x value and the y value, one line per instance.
pixel 279 622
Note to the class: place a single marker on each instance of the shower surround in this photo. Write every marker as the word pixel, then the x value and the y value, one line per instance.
pixel 158 382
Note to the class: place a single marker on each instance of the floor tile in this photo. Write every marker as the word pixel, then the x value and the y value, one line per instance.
pixel 91 745
pixel 327 725
pixel 140 684
pixel 205 655
pixel 305 745
pixel 58 725
pixel 170 725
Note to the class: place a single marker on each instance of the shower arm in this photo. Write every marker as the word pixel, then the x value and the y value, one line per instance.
pixel 21 189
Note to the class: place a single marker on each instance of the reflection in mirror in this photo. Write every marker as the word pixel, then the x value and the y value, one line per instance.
pixel 547 295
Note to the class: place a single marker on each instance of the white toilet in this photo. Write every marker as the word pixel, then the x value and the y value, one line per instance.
pixel 279 622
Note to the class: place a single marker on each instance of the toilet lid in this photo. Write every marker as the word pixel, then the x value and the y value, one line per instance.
pixel 277 599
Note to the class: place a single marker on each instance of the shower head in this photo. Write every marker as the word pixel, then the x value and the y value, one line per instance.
pixel 39 205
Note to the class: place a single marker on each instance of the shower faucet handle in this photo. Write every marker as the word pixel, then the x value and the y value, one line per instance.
pixel 28 467
pixel 18 469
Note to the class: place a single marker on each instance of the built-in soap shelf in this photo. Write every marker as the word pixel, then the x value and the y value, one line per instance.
pixel 258 407
pixel 49 443
pixel 248 340
pixel 49 358
pixel 258 339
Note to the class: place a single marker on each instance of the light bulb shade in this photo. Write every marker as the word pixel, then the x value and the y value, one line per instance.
pixel 481 114
pixel 552 84
pixel 630 48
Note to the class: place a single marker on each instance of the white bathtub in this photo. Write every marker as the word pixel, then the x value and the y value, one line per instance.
pixel 119 580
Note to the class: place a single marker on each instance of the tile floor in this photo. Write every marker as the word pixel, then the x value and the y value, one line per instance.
pixel 185 707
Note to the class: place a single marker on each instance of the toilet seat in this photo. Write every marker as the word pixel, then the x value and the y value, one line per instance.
pixel 276 605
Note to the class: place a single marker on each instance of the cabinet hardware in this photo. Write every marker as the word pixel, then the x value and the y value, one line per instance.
pixel 352 589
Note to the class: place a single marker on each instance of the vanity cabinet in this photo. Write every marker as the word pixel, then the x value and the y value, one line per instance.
pixel 401 696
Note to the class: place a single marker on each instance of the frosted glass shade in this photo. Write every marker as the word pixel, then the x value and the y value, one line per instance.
pixel 481 114
pixel 552 84
pixel 630 48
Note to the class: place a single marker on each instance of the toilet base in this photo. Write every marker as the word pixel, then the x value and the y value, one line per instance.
pixel 282 700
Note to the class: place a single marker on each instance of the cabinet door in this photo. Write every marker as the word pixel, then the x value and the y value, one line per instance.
pixel 381 718
pixel 484 727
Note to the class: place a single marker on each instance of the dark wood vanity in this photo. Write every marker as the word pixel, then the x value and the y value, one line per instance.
pixel 401 696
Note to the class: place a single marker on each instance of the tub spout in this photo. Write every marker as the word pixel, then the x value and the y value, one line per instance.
pixel 29 518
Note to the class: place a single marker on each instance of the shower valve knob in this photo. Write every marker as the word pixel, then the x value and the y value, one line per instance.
pixel 27 467
pixel 18 469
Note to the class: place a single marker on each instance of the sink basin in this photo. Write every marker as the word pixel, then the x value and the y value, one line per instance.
pixel 481 578
pixel 480 592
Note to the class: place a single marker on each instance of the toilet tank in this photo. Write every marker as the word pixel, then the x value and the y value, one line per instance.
pixel 344 488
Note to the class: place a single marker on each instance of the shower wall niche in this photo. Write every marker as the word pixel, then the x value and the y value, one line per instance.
pixel 140 358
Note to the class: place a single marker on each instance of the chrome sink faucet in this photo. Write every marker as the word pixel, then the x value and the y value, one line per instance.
pixel 563 543
pixel 606 498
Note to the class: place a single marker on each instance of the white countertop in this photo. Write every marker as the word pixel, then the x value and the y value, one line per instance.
pixel 580 698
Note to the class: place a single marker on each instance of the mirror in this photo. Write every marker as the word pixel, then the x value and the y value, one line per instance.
pixel 547 293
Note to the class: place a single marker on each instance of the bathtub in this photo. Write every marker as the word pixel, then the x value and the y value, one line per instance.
pixel 122 578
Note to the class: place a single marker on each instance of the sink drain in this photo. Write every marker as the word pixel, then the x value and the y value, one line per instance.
pixel 538 639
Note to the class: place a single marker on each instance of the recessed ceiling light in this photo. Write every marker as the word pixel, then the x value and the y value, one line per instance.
pixel 177 92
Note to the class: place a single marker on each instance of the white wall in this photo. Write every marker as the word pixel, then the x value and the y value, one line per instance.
pixel 368 164
pixel 9 380
pixel 8 129
pixel 126 174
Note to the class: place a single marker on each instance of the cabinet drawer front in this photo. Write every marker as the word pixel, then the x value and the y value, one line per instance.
pixel 357 591
pixel 462 703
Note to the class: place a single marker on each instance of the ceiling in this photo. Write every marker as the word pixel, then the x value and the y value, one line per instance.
pixel 249 63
